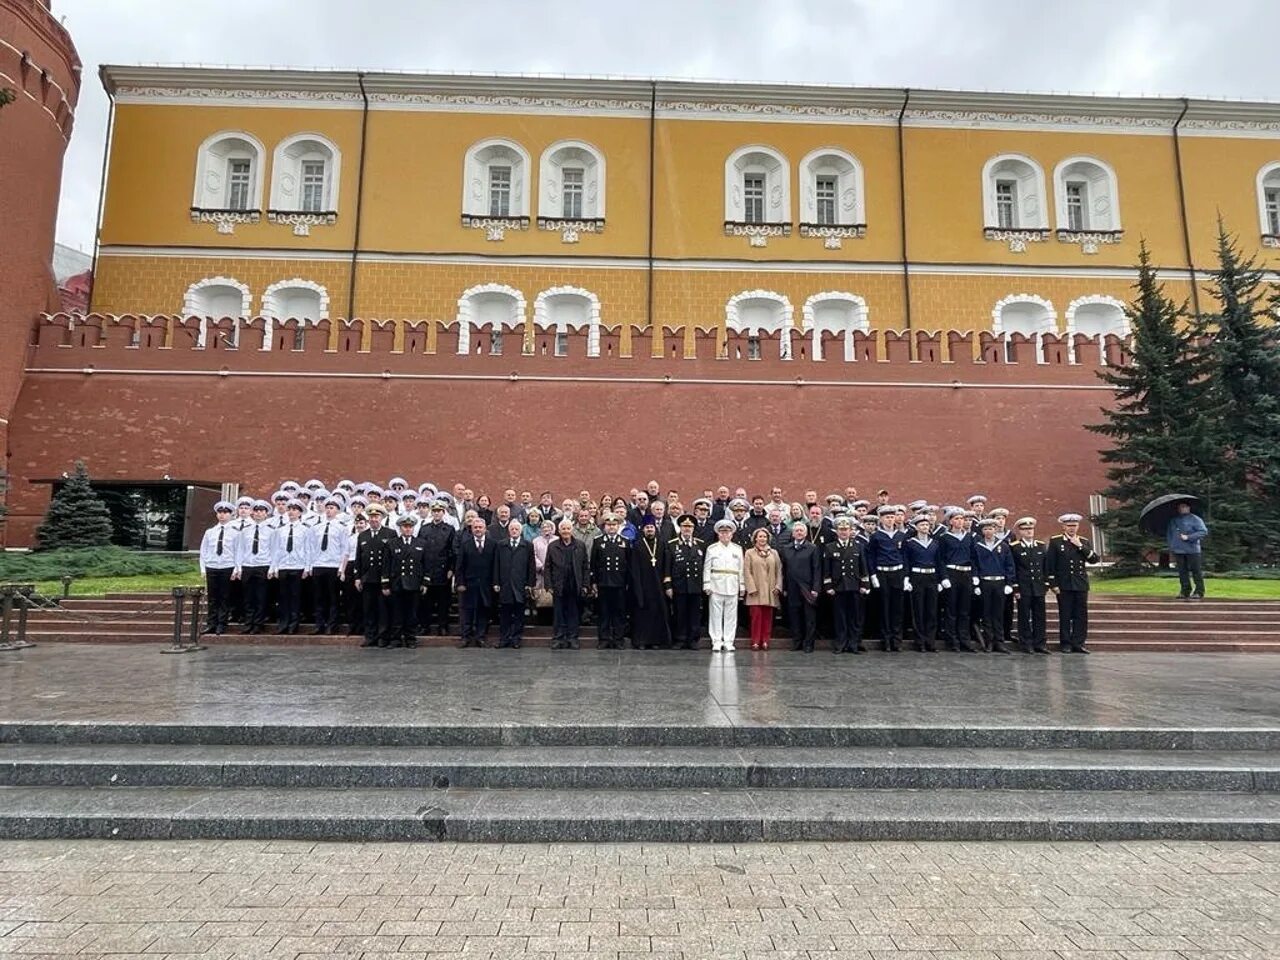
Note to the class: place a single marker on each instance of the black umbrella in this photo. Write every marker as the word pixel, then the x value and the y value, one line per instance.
pixel 1156 514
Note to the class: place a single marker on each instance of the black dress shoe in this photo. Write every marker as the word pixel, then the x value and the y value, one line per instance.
pixel 1079 650
pixel 368 643
pixel 1044 650
pixel 281 631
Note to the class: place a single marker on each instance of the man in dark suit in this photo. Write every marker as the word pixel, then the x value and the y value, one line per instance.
pixel 473 579
pixel 801 581
pixel 513 578
pixel 437 567
pixel 568 577
pixel 368 568
pixel 609 569
pixel 404 573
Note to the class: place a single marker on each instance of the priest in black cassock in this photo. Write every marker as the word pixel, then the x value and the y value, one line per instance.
pixel 649 626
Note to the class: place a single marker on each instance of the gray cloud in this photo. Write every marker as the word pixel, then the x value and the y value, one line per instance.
pixel 1164 47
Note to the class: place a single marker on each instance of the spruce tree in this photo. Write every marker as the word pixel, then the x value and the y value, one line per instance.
pixel 1161 435
pixel 76 517
pixel 1244 344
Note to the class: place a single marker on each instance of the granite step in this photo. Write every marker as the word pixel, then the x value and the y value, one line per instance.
pixel 677 816
pixel 638 768
pixel 70 733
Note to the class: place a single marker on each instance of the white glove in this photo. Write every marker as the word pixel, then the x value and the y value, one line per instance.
pixel 945 585
pixel 975 581
pixel 977 591
pixel 941 588
pixel 875 581
pixel 906 586
pixel 1007 590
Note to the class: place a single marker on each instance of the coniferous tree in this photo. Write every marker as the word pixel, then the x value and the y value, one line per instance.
pixel 76 517
pixel 1159 425
pixel 1244 344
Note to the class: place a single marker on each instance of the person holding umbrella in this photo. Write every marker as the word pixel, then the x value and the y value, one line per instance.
pixel 1184 532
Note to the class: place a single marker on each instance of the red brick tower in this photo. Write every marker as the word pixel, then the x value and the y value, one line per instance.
pixel 40 67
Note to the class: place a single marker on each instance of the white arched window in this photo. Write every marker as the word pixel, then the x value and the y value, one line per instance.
pixel 757 194
pixel 495 187
pixel 569 308
pixel 1269 204
pixel 304 177
pixel 493 304
pixel 1026 314
pixel 831 191
pixel 302 300
pixel 216 298
pixel 1095 316
pixel 835 312
pixel 1013 195
pixel 1086 195
pixel 571 184
pixel 755 312
pixel 228 187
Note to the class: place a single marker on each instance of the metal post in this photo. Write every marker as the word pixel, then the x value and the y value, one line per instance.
pixel 66 585
pixel 23 592
pixel 196 593
pixel 6 614
pixel 179 608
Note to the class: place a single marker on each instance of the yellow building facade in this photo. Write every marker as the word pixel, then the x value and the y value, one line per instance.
pixel 526 203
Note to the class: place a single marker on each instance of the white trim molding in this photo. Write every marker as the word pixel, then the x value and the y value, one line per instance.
pixel 552 215
pixel 466 310
pixel 477 211
pixel 859 320
pixel 1030 202
pixel 850 196
pixel 1100 203
pixel 286 181
pixel 272 305
pixel 1270 238
pixel 1123 330
pixel 191 308
pixel 210 202
pixel 542 314
pixel 776 203
pixel 1048 323
pixel 781 324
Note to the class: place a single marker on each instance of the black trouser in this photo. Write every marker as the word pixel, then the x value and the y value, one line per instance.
pixel 891 603
pixel 924 609
pixel 1190 567
pixel 353 606
pixel 236 601
pixel 373 612
pixel 324 588
pixel 434 608
pixel 1031 622
pixel 847 606
pixel 403 617
pixel 955 617
pixel 802 620
pixel 567 619
pixel 1073 619
pixel 688 620
pixel 218 590
pixel 290 599
pixel 254 580
pixel 473 615
pixel 510 624
pixel 612 609
pixel 993 610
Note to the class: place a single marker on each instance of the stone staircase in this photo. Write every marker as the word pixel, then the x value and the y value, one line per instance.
pixel 575 783
pixel 1116 624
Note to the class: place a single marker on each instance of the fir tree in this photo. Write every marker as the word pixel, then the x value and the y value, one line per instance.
pixel 76 517
pixel 1160 432
pixel 1244 344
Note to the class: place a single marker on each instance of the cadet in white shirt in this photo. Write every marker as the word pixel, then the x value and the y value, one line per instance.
pixel 219 560
pixel 328 553
pixel 289 564
pixel 255 560
pixel 722 581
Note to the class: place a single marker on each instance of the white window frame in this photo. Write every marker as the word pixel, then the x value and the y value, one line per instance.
pixel 734 321
pixel 572 154
pixel 758 158
pixel 1031 202
pixel 1048 322
pixel 1101 206
pixel 501 182
pixel 286 172
pixel 480 156
pixel 851 209
pixel 809 317
pixel 1269 171
pixel 542 318
pixel 273 297
pixel 466 311
pixel 191 306
pixel 211 190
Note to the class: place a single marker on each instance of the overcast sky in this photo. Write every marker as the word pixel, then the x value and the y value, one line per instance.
pixel 1224 48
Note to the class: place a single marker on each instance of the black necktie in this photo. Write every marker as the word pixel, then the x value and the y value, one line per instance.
pixel 256 531
pixel 324 541
pixel 221 531
pixel 288 545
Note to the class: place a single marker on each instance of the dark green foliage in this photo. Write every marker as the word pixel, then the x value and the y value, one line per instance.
pixel 1160 427
pixel 76 517
pixel 6 96
pixel 88 562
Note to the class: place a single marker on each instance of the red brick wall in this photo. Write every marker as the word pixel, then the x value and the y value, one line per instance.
pixel 926 428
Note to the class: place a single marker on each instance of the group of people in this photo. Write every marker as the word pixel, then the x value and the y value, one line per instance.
pixel 387 563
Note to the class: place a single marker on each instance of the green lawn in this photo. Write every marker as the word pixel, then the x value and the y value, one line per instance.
pixel 1214 588
pixel 98 586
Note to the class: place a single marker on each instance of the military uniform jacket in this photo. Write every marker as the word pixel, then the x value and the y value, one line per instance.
pixel 513 570
pixel 955 552
pixel 706 532
pixel 994 561
pixel 921 556
pixel 609 561
pixel 885 550
pixel 723 570
pixel 844 568
pixel 370 558
pixel 403 564
pixel 1064 563
pixel 437 552
pixel 684 566
pixel 1028 561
